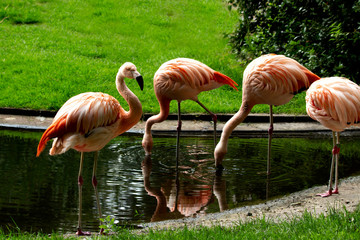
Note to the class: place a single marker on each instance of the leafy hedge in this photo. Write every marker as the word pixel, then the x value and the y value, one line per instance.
pixel 322 35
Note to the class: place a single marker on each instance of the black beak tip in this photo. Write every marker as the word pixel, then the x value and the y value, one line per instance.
pixel 140 81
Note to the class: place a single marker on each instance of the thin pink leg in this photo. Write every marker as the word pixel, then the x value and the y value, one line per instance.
pixel 268 168
pixel 214 118
pixel 79 231
pixel 335 154
pixel 336 151
pixel 95 183
pixel 179 119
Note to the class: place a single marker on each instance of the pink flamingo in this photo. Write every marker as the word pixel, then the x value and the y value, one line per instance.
pixel 335 103
pixel 270 79
pixel 88 121
pixel 181 79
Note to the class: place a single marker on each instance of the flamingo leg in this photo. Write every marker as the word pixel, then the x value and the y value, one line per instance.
pixel 268 170
pixel 177 156
pixel 179 119
pixel 178 135
pixel 335 152
pixel 214 118
pixel 95 183
pixel 80 183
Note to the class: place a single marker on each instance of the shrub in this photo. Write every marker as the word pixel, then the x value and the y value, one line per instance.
pixel 322 35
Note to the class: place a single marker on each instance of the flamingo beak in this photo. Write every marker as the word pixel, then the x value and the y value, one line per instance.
pixel 140 81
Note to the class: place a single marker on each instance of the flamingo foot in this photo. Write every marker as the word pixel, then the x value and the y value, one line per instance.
pixel 326 194
pixel 335 191
pixel 81 233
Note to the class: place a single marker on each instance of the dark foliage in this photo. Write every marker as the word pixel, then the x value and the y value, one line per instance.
pixel 322 35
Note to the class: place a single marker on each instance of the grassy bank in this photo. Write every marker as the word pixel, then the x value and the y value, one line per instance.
pixel 52 50
pixel 336 225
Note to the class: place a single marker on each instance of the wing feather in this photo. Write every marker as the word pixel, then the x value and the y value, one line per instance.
pixel 188 72
pixel 82 113
pixel 279 73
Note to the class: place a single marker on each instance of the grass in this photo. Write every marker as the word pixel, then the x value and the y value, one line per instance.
pixel 53 50
pixel 336 225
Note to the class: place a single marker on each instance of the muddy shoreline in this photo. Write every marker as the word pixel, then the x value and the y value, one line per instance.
pixel 287 207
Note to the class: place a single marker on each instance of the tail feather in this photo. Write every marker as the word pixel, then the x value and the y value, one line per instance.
pixel 56 129
pixel 44 139
pixel 311 76
pixel 221 78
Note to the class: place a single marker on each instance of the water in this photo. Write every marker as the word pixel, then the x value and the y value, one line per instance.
pixel 41 194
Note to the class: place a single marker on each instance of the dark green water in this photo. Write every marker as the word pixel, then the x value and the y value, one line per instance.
pixel 41 194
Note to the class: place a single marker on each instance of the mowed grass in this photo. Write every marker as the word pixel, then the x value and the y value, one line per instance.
pixel 52 50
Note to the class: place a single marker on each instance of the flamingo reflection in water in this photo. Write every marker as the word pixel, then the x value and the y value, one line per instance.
pixel 177 200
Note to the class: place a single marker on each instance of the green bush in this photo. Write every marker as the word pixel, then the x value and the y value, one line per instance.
pixel 322 35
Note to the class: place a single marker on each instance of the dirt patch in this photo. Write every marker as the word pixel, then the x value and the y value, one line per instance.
pixel 284 208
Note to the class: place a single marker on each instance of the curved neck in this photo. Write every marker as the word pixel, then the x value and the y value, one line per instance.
pixel 164 113
pixel 135 109
pixel 238 118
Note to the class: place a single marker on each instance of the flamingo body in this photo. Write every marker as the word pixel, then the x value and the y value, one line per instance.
pixel 88 121
pixel 270 79
pixel 181 79
pixel 274 80
pixel 335 103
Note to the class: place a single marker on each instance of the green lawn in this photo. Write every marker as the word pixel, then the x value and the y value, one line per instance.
pixel 336 225
pixel 54 49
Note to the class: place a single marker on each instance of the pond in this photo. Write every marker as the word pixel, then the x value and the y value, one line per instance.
pixel 41 194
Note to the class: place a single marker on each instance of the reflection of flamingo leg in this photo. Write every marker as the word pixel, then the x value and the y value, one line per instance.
pixel 219 190
pixel 177 183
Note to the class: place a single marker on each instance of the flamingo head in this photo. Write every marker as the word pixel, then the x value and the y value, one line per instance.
pixel 129 70
pixel 219 154
pixel 147 143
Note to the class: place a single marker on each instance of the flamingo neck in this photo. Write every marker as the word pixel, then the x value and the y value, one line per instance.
pixel 162 116
pixel 132 116
pixel 239 117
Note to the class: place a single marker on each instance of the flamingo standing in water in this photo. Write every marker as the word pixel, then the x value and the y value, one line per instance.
pixel 181 79
pixel 270 79
pixel 335 103
pixel 88 121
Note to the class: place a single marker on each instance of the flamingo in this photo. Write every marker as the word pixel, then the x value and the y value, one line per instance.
pixel 335 103
pixel 181 79
pixel 269 79
pixel 88 121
